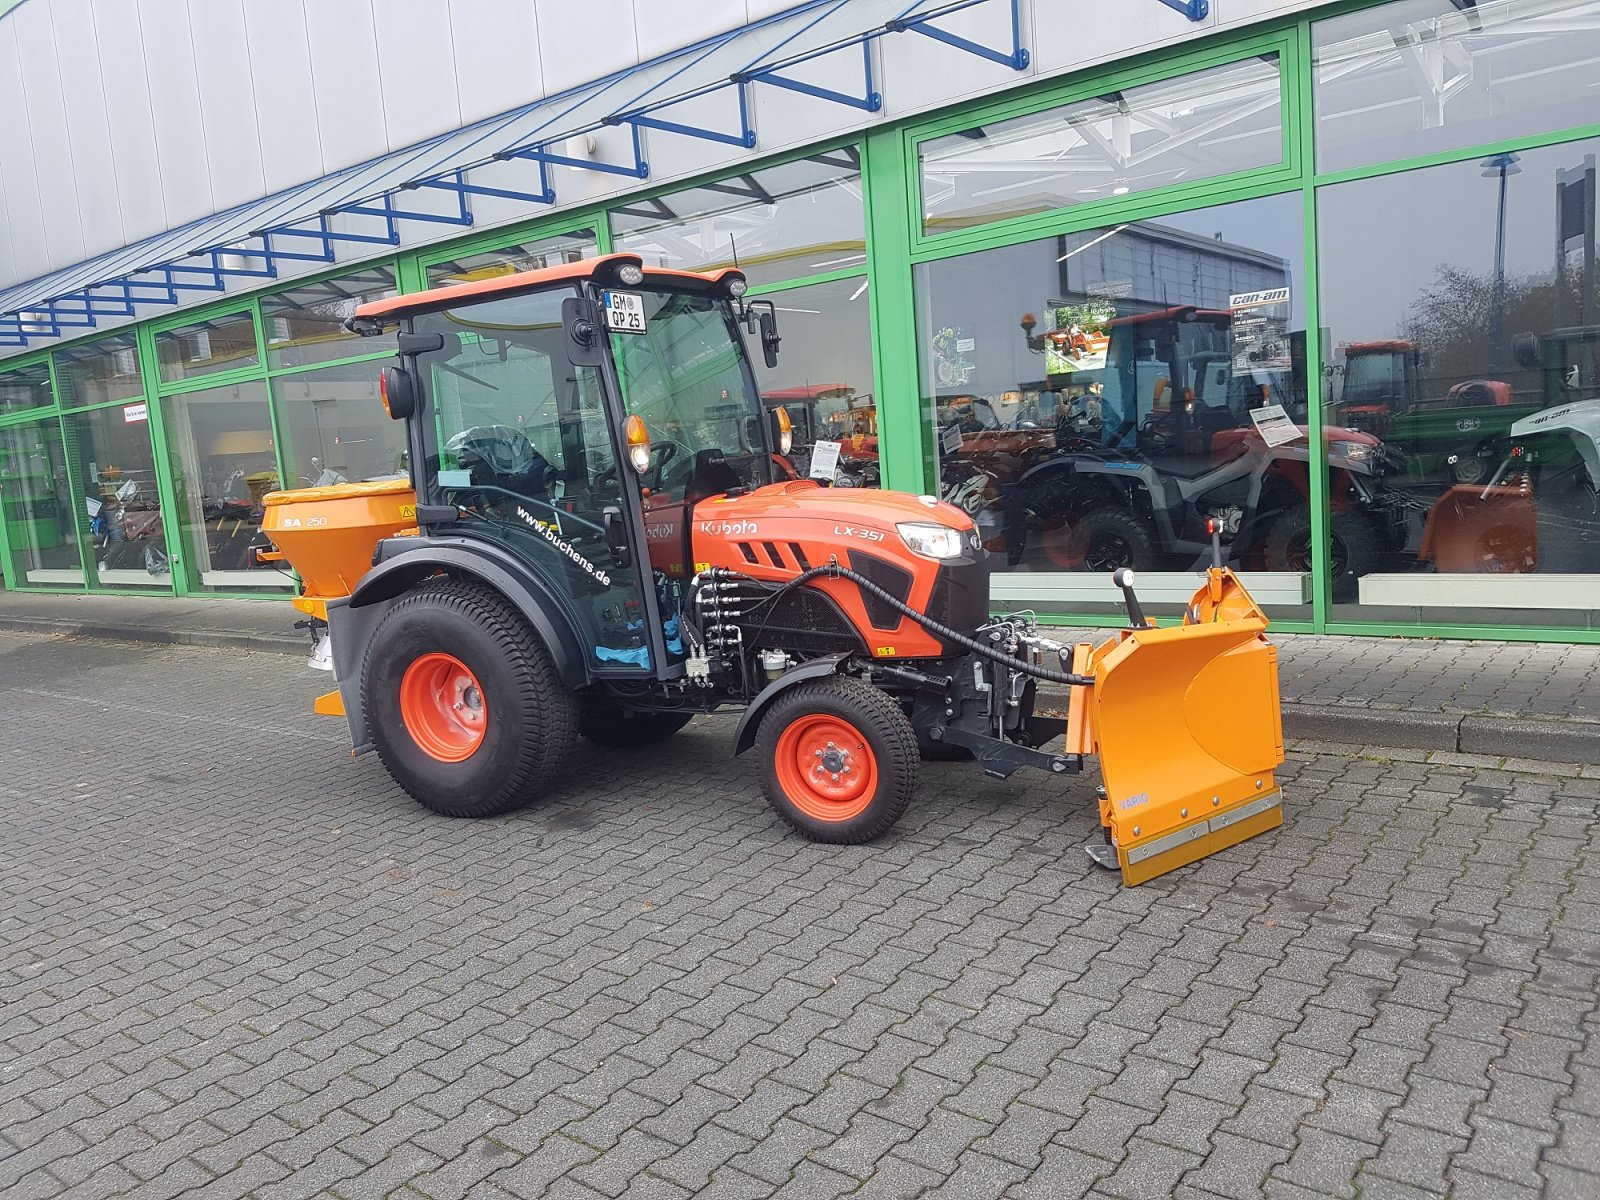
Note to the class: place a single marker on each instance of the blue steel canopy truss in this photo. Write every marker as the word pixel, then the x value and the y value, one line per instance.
pixel 368 204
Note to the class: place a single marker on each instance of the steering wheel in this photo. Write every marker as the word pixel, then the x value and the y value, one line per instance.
pixel 661 453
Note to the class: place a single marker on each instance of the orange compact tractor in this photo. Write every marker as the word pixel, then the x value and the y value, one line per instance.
pixel 593 543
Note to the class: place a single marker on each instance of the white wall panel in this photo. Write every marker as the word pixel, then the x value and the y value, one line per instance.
pixel 223 68
pixel 22 237
pixel 497 56
pixel 1075 33
pixel 417 64
pixel 94 170
pixel 583 42
pixel 175 104
pixel 665 25
pixel 344 71
pixel 755 10
pixel 130 119
pixel 47 125
pixel 178 108
pixel 285 100
pixel 1232 12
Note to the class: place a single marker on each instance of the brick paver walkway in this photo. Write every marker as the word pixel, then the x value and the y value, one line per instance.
pixel 233 961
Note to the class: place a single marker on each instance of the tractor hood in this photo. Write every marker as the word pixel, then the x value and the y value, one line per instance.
pixel 924 552
pixel 821 520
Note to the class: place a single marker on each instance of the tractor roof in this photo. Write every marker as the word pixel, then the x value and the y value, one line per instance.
pixel 604 268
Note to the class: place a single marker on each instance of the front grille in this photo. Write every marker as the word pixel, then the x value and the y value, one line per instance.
pixel 804 620
pixel 892 579
pixel 960 599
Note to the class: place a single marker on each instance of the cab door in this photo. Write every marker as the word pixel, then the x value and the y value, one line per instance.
pixel 519 439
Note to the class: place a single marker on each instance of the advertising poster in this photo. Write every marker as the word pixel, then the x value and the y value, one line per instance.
pixel 1260 331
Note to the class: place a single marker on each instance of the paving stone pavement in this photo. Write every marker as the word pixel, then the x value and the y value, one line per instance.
pixel 236 962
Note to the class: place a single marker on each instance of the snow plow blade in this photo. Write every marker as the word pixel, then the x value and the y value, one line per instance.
pixel 1188 727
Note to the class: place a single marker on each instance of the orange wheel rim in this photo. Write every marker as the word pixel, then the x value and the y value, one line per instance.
pixel 443 707
pixel 826 768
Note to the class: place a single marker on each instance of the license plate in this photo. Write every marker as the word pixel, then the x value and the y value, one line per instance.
pixel 624 312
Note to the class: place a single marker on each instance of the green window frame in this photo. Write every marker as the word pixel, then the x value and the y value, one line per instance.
pixel 1145 70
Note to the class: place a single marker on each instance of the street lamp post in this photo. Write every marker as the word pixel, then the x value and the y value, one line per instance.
pixel 1504 166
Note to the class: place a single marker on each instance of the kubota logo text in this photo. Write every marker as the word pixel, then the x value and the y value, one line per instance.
pixel 729 528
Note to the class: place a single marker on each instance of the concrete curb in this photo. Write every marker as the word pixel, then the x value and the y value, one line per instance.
pixel 1495 735
pixel 153 635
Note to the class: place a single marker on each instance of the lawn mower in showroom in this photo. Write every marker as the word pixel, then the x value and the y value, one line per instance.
pixel 596 540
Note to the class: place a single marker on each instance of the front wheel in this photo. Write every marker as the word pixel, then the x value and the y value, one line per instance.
pixel 464 704
pixel 1353 546
pixel 840 760
pixel 1109 538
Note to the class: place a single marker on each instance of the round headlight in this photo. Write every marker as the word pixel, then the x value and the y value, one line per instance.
pixel 934 541
pixel 737 286
pixel 630 274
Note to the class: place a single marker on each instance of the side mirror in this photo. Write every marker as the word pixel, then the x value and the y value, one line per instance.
pixel 398 391
pixel 1525 349
pixel 760 314
pixel 580 317
pixel 769 338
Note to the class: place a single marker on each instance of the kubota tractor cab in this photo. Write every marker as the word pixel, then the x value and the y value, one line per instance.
pixel 593 543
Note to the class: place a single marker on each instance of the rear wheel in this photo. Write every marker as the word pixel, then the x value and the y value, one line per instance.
pixel 840 760
pixel 604 722
pixel 464 704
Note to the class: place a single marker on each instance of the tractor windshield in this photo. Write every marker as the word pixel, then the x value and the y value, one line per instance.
pixel 1375 377
pixel 684 373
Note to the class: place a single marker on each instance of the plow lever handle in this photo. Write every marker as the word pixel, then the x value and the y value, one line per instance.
pixel 1122 577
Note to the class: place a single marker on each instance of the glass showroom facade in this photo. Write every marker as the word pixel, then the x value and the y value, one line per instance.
pixel 1328 288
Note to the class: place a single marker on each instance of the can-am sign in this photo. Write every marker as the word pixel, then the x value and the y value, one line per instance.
pixel 1257 299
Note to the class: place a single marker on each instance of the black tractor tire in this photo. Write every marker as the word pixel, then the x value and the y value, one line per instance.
pixel 1108 538
pixel 605 722
pixel 1356 548
pixel 839 760
pixel 529 719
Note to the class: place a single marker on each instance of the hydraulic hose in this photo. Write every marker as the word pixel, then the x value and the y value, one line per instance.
pixel 834 571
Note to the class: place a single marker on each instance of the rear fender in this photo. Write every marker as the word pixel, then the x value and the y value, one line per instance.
pixel 817 668
pixel 527 592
